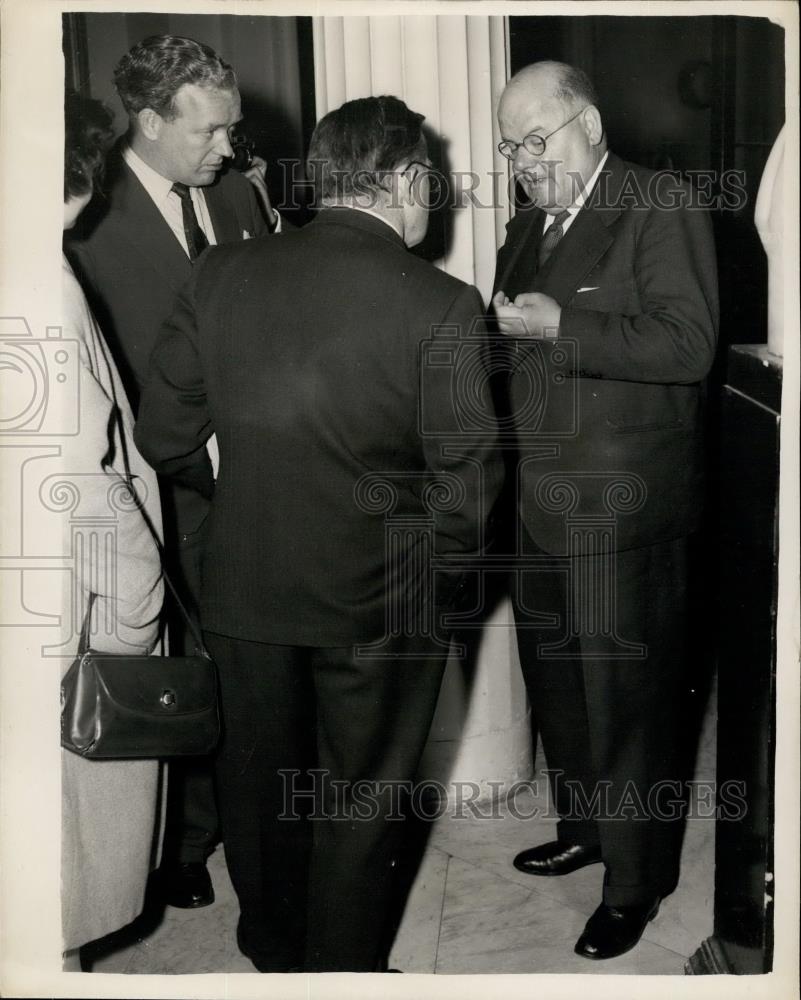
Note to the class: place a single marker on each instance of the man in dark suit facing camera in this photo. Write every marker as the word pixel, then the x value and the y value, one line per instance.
pixel 343 474
pixel 607 280
pixel 167 197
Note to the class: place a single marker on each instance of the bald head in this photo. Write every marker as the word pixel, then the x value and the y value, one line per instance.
pixel 565 83
pixel 558 103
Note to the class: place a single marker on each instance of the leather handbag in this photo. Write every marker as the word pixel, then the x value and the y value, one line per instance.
pixel 116 706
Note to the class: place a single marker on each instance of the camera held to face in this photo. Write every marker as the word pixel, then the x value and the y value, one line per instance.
pixel 244 151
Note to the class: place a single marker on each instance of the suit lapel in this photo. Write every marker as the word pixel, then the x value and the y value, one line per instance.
pixel 140 223
pixel 223 214
pixel 583 245
pixel 588 238
pixel 520 265
pixel 575 255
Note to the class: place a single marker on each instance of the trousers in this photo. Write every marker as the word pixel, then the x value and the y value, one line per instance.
pixel 319 749
pixel 192 824
pixel 602 648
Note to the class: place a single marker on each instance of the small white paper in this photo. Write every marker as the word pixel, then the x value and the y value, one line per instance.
pixel 214 453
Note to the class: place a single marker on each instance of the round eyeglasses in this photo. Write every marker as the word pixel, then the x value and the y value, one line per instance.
pixel 533 143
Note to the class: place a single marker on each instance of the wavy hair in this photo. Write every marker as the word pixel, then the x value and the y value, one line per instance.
pixel 152 73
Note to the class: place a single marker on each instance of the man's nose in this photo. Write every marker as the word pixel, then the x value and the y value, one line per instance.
pixel 523 160
pixel 223 146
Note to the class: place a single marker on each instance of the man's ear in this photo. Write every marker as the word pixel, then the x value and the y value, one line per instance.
pixel 592 124
pixel 150 123
pixel 393 188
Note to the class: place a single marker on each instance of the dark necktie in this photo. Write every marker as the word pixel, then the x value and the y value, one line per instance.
pixel 551 237
pixel 196 241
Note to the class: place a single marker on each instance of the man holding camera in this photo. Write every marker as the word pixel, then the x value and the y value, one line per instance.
pixel 167 199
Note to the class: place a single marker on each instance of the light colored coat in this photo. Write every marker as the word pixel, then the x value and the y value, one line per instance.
pixel 109 808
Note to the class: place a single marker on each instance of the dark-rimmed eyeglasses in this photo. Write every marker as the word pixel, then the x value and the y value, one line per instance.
pixel 533 143
pixel 437 183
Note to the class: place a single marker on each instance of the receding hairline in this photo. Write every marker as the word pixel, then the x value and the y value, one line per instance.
pixel 559 75
pixel 174 112
pixel 208 88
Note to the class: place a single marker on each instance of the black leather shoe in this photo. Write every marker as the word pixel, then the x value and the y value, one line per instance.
pixel 556 858
pixel 614 930
pixel 187 886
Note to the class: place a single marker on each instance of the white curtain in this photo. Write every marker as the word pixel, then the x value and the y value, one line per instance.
pixel 450 69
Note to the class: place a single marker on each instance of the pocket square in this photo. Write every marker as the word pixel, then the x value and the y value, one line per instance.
pixel 593 288
pixel 246 236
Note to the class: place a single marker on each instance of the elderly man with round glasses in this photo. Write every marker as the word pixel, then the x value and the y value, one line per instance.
pixel 608 279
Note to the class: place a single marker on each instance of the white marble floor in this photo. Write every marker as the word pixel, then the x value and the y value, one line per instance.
pixel 470 910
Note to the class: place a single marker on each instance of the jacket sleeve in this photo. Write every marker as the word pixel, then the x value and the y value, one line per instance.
pixel 255 212
pixel 129 590
pixel 460 439
pixel 673 336
pixel 82 262
pixel 259 227
pixel 174 424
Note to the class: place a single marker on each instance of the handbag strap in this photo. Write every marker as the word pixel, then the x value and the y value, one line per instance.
pixel 199 644
pixel 83 642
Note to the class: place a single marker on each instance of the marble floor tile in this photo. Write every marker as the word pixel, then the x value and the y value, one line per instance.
pixel 196 941
pixel 469 909
pixel 492 842
pixel 415 945
pixel 115 962
pixel 492 926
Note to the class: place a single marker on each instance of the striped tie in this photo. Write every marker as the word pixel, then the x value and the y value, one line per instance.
pixel 551 237
pixel 196 241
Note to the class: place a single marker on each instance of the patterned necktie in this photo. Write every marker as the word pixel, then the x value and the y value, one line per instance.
pixel 196 241
pixel 551 237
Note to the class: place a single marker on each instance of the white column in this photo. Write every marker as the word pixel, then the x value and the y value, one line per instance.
pixel 452 70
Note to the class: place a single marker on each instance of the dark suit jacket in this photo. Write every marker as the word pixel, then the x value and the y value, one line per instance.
pixel 307 356
pixel 616 397
pixel 132 268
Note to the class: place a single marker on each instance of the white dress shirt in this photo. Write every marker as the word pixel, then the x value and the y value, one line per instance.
pixel 168 202
pixel 580 199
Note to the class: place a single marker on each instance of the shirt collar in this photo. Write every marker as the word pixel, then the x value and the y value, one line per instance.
pixel 375 215
pixel 586 190
pixel 157 187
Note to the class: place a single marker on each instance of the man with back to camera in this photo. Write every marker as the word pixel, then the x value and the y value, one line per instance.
pixel 167 198
pixel 609 279
pixel 332 432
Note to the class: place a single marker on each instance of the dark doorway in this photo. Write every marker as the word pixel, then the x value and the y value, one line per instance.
pixel 691 94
